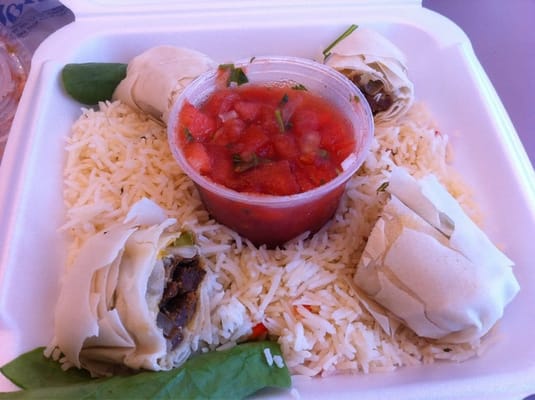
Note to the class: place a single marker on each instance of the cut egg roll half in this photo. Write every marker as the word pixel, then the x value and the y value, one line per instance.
pixel 133 299
pixel 378 68
pixel 156 77
pixel 432 267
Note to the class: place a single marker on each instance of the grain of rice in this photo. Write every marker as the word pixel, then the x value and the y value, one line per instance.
pixel 269 357
pixel 225 346
pixel 268 298
pixel 279 362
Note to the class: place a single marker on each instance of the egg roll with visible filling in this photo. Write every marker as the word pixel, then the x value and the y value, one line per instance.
pixel 133 299
pixel 378 68
pixel 156 77
pixel 432 267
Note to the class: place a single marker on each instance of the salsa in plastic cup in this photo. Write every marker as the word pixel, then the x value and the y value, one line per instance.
pixel 244 187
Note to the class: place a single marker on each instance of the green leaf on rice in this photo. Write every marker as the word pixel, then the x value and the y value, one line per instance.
pixel 234 373
pixel 33 370
pixel 90 83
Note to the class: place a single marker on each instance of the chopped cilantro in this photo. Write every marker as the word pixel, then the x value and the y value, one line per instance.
pixel 382 187
pixel 299 86
pixel 189 136
pixel 347 32
pixel 280 122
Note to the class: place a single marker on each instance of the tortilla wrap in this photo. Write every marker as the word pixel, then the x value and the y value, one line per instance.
pixel 432 267
pixel 378 68
pixel 111 312
pixel 155 78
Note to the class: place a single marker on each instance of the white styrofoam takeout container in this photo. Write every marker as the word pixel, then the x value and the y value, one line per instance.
pixel 447 76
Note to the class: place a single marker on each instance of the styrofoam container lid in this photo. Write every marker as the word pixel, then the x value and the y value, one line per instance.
pixel 447 77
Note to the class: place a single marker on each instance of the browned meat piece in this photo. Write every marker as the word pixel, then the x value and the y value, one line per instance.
pixel 179 300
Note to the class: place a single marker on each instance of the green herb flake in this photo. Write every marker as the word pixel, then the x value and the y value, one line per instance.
pixel 280 122
pixel 323 153
pixel 186 238
pixel 356 99
pixel 284 100
pixel 382 187
pixel 347 32
pixel 237 75
pixel 299 86
pixel 241 165
pixel 188 135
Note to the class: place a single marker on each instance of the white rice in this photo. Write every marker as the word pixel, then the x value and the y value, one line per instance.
pixel 278 360
pixel 303 294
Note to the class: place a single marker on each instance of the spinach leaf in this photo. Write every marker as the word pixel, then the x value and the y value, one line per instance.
pixel 90 83
pixel 235 373
pixel 33 370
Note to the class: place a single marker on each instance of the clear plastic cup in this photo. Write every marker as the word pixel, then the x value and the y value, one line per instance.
pixel 269 219
pixel 14 67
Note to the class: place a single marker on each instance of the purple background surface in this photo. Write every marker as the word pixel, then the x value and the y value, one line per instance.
pixel 503 38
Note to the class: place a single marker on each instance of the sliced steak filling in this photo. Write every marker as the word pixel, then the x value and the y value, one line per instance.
pixel 374 91
pixel 180 297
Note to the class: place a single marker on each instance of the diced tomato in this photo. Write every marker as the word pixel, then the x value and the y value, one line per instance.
pixel 322 116
pixel 259 92
pixel 229 132
pixel 247 110
pixel 286 146
pixel 251 141
pixel 337 141
pixel 222 165
pixel 303 180
pixel 220 102
pixel 221 80
pixel 320 171
pixel 267 151
pixel 200 125
pixel 271 178
pixel 197 156
pixel 304 120
pixel 268 120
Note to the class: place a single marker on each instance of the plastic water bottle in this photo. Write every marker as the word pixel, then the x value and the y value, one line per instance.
pixel 24 24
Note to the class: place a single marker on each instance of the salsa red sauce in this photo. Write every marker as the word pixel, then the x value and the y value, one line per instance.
pixel 265 139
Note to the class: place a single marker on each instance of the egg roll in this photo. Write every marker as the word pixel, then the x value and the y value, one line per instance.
pixel 378 68
pixel 432 267
pixel 133 298
pixel 155 78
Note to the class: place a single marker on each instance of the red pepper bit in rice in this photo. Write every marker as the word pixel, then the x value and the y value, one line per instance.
pixel 309 307
pixel 259 332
